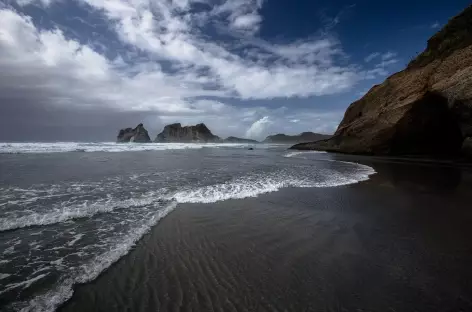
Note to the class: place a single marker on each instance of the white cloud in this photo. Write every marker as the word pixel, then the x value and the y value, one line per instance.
pixel 371 56
pixel 259 128
pixel 435 25
pixel 249 21
pixel 41 2
pixel 385 57
pixel 293 122
pixel 389 55
pixel 380 69
pixel 157 30
pixel 386 63
pixel 167 31
pixel 62 71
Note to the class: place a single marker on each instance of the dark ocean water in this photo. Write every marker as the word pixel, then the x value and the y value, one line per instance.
pixel 69 211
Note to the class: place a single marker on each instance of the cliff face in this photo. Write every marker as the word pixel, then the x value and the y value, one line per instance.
pixel 302 137
pixel 177 133
pixel 425 109
pixel 138 135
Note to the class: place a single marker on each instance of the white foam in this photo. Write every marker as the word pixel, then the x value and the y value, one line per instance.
pixel 69 212
pixel 62 147
pixel 295 154
pixel 255 185
pixel 2 275
pixel 75 240
pixel 248 185
pixel 89 271
pixel 25 284
pixel 225 191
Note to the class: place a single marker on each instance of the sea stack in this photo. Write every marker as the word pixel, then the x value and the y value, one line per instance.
pixel 176 133
pixel 137 135
pixel 425 109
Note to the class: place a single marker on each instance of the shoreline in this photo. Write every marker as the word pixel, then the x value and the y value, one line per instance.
pixel 406 159
pixel 302 249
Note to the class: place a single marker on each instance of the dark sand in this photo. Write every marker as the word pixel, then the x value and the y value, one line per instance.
pixel 401 241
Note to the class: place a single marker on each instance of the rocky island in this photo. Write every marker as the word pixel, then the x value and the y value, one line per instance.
pixel 138 135
pixel 200 133
pixel 176 133
pixel 424 110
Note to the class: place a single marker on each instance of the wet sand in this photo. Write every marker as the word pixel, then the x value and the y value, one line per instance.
pixel 401 241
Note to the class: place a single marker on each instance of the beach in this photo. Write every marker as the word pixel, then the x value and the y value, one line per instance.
pixel 397 242
pixel 235 156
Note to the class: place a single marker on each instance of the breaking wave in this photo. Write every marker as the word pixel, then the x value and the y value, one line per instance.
pixel 88 226
pixel 295 154
pixel 63 147
pixel 89 271
pixel 254 185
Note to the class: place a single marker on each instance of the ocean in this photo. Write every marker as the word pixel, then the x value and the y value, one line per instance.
pixel 69 211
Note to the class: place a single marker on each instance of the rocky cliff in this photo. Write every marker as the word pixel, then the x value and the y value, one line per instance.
pixel 425 109
pixel 177 133
pixel 290 139
pixel 138 135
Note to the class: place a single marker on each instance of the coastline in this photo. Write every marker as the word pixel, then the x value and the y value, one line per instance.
pixel 385 243
pixel 375 217
pixel 313 147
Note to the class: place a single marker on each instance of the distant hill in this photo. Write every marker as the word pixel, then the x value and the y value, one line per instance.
pixel 302 137
pixel 233 139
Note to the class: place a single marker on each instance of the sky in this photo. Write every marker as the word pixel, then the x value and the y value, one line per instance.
pixel 79 70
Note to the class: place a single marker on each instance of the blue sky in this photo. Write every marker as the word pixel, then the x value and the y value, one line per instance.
pixel 81 69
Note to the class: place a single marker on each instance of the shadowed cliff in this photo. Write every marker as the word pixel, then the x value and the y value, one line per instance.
pixel 424 110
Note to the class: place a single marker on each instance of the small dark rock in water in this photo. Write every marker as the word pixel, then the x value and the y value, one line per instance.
pixel 251 149
pixel 138 135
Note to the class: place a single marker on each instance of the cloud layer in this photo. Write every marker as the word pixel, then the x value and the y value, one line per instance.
pixel 181 60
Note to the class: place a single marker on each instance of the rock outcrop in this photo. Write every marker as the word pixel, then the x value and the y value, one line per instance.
pixel 233 139
pixel 177 133
pixel 291 139
pixel 138 135
pixel 425 109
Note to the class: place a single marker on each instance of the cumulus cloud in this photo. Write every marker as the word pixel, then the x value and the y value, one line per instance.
pixel 167 64
pixel 259 128
pixel 65 72
pixel 293 122
pixel 247 22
